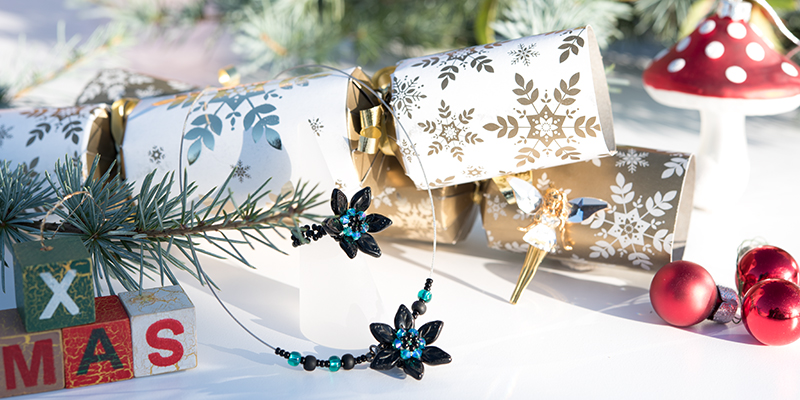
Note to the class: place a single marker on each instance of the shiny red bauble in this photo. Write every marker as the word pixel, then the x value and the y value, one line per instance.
pixel 683 293
pixel 765 262
pixel 771 312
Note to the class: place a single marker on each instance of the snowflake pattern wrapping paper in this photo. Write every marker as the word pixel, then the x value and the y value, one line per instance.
pixel 395 196
pixel 650 201
pixel 38 137
pixel 256 131
pixel 503 108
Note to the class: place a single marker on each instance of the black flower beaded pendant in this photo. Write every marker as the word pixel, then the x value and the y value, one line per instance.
pixel 351 226
pixel 406 347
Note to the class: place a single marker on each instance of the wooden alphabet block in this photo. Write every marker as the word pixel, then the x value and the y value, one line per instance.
pixel 99 352
pixel 29 362
pixel 163 330
pixel 53 288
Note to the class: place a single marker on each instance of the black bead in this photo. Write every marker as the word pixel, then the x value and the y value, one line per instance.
pixel 419 307
pixel 348 361
pixel 310 363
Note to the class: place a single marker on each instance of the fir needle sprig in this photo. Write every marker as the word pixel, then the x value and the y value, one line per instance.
pixel 129 233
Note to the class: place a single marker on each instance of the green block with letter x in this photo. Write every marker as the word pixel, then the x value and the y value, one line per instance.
pixel 53 284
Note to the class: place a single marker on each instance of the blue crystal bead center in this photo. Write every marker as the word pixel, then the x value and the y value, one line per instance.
pixel 354 223
pixel 409 343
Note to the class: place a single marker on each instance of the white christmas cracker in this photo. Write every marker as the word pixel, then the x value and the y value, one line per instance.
pixel 503 108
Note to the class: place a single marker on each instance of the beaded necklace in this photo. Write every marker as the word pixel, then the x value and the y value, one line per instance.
pixel 402 346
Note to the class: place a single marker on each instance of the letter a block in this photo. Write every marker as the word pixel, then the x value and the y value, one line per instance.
pixel 163 329
pixel 29 362
pixel 54 287
pixel 99 352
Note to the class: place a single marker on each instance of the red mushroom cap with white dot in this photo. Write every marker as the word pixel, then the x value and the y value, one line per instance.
pixel 724 58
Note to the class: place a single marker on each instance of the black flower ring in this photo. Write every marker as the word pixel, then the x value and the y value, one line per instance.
pixel 406 347
pixel 351 226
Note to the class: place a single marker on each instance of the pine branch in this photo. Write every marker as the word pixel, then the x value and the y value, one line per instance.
pixel 125 233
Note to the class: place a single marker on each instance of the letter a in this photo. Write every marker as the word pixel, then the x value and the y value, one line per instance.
pixel 60 295
pixel 109 352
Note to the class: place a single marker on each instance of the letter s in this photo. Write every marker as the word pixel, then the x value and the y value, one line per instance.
pixel 175 346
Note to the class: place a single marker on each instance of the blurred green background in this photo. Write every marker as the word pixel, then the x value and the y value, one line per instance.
pixel 268 36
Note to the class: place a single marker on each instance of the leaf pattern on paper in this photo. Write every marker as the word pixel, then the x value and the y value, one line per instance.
pixel 540 130
pixel 675 166
pixel 572 43
pixel 630 228
pixel 259 121
pixel 452 63
pixel 63 120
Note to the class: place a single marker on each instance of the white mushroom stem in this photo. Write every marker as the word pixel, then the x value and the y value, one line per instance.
pixel 723 166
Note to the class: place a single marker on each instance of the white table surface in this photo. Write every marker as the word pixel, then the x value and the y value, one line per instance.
pixel 572 335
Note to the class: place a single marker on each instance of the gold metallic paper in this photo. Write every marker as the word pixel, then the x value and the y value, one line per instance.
pixel 650 197
pixel 395 196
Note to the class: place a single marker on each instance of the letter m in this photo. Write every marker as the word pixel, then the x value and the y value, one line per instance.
pixel 42 354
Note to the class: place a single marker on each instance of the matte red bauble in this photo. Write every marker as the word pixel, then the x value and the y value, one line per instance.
pixel 683 293
pixel 771 312
pixel 765 262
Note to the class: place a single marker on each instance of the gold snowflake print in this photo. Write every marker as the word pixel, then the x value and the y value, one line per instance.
pixel 451 132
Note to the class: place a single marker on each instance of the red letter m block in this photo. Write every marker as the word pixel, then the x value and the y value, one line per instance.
pixel 29 362
pixel 42 357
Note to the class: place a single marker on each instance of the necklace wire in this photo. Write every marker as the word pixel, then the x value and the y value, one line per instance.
pixel 203 277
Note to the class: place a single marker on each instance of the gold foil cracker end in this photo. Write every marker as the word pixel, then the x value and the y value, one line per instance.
pixel 370 135
pixel 382 80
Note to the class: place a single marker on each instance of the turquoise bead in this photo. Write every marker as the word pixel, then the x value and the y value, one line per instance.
pixel 424 295
pixel 335 363
pixel 294 359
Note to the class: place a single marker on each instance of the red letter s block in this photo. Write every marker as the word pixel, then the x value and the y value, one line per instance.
pixel 175 346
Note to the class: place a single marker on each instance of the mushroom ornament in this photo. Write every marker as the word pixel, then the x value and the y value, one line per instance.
pixel 726 71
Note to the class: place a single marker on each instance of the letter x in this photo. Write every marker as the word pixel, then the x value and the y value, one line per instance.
pixel 60 295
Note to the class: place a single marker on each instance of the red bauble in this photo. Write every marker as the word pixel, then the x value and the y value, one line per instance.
pixel 683 293
pixel 771 312
pixel 765 262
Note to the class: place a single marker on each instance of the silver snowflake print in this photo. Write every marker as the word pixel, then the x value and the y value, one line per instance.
pixel 5 133
pixel 632 160
pixel 316 126
pixel 523 54
pixel 156 154
pixel 406 94
pixel 240 171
